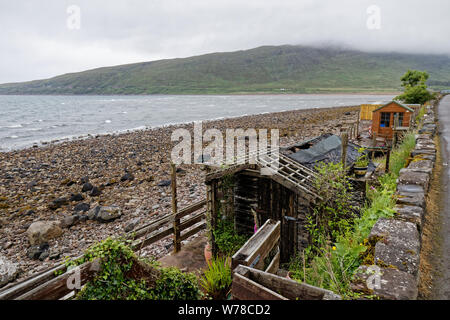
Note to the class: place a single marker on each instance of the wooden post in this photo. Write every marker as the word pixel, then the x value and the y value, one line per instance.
pixel 394 137
pixel 357 124
pixel 176 222
pixel 214 214
pixel 344 143
pixel 388 156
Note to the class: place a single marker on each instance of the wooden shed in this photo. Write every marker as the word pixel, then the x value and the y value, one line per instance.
pixel 384 118
pixel 287 195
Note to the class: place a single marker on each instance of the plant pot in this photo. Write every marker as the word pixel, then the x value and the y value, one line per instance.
pixel 208 253
pixel 360 171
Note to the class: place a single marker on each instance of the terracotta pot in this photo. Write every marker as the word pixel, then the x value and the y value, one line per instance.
pixel 208 253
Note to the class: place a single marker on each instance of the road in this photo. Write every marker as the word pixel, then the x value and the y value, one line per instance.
pixel 441 288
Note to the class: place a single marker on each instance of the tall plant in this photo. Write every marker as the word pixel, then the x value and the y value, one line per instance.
pixel 333 213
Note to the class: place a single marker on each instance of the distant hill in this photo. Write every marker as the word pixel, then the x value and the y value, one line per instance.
pixel 269 69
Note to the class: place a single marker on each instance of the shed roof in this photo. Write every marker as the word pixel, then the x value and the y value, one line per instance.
pixel 397 103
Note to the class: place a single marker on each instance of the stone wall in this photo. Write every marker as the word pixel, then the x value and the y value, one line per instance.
pixel 397 241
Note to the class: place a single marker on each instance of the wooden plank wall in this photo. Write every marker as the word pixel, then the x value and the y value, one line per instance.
pixel 273 201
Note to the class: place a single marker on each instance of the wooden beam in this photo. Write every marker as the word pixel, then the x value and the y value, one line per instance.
pixel 229 171
pixel 58 287
pixel 192 208
pixel 288 288
pixel 257 248
pixel 193 231
pixel 243 288
pixel 31 283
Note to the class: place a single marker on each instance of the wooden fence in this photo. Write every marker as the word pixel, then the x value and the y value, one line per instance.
pixel 52 285
pixel 367 111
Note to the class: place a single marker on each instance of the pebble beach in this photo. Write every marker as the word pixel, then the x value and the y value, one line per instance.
pixel 128 171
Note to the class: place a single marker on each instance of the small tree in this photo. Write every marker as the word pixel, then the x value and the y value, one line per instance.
pixel 415 91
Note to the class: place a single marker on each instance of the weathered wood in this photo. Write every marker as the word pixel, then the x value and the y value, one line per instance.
pixel 58 287
pixel 152 238
pixel 288 288
pixel 153 226
pixel 229 171
pixel 357 123
pixel 274 264
pixel 193 231
pixel 214 215
pixel 192 208
pixel 176 221
pixel 243 288
pixel 191 221
pixel 145 230
pixel 388 158
pixel 30 283
pixel 344 144
pixel 259 245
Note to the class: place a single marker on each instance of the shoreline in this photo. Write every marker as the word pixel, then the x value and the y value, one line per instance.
pixel 373 93
pixel 87 136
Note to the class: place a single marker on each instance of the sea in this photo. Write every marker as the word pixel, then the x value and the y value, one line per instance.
pixel 36 120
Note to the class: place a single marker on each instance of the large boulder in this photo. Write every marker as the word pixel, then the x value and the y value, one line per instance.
pixel 42 231
pixel 8 271
pixel 107 214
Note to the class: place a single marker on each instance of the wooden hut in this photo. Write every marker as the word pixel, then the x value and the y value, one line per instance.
pixel 287 195
pixel 384 118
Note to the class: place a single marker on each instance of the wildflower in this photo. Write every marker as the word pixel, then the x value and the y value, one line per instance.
pixel 334 248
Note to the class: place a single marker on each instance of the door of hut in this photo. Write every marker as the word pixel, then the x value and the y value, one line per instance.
pixel 269 200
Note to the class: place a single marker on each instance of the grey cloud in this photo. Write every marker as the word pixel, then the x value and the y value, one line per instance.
pixel 36 43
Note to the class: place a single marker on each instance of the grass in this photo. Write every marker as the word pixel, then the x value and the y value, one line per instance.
pixel 216 280
pixel 335 264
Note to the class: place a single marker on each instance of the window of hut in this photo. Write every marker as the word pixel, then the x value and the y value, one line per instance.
pixel 400 118
pixel 385 119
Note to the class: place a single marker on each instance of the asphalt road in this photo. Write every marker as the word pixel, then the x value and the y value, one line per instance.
pixel 441 289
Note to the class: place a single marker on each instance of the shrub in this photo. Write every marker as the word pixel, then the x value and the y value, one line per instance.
pixel 122 276
pixel 333 214
pixel 176 285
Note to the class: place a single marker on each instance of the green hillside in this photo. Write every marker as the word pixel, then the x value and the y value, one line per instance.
pixel 271 69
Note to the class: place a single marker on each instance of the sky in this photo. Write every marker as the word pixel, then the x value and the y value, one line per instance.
pixel 45 38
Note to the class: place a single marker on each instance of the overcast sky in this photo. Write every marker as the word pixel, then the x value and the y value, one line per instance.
pixel 40 39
